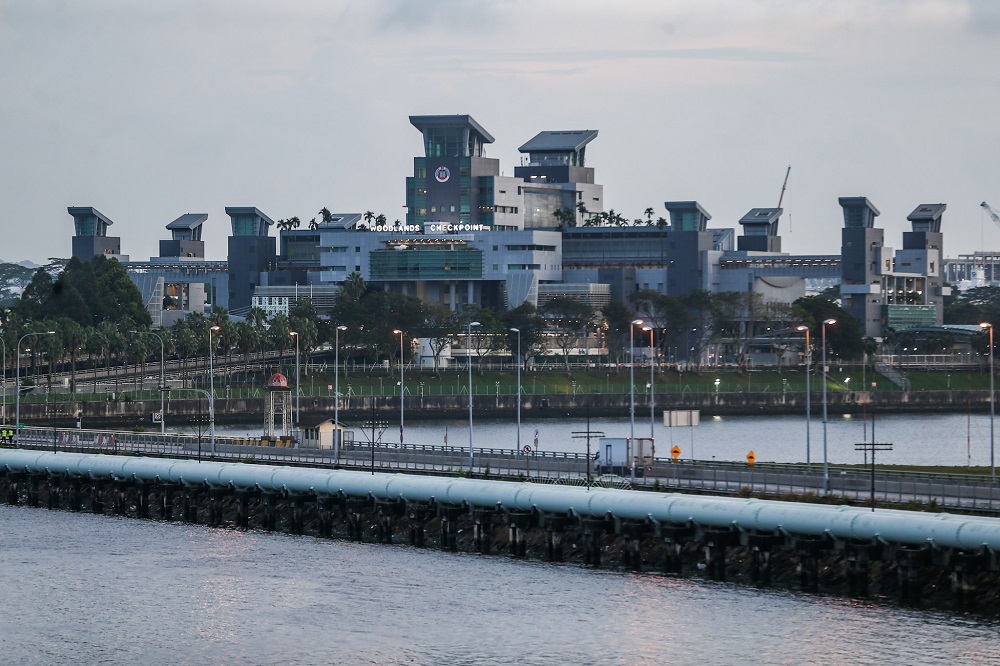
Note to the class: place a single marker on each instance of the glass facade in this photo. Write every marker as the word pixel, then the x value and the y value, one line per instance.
pixel 427 264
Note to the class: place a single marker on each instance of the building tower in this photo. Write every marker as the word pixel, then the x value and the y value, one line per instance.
pixel 688 246
pixel 91 238
pixel 864 260
pixel 445 187
pixel 760 231
pixel 557 177
pixel 915 290
pixel 251 252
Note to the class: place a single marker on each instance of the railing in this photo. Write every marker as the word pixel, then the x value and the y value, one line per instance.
pixel 966 492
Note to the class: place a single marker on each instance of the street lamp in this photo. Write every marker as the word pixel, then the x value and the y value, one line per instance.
pixel 808 394
pixel 826 468
pixel 518 331
pixel 211 385
pixel 4 343
pixel 468 342
pixel 847 383
pixel 163 416
pixel 993 468
pixel 337 432
pixel 17 377
pixel 652 383
pixel 401 392
pixel 631 391
pixel 295 335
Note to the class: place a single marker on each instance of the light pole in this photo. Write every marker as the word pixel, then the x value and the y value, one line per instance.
pixel 518 331
pixel 808 394
pixel 652 384
pixel 993 468
pixel 163 416
pixel 401 391
pixel 826 468
pixel 631 392
pixel 211 386
pixel 468 342
pixel 17 377
pixel 4 343
pixel 295 335
pixel 337 432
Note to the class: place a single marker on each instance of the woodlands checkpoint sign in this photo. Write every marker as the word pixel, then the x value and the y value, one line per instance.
pixel 427 228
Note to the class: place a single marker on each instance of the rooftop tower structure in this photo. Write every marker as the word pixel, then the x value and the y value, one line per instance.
pixel 91 235
pixel 251 252
pixel 555 177
pixel 864 260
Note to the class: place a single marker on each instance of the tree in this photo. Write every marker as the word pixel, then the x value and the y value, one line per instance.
pixel 488 337
pixel 568 320
pixel 440 325
pixel 526 319
pixel 845 338
pixel 325 215
pixel 617 318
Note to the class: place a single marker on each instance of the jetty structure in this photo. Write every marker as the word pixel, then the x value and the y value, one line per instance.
pixel 848 549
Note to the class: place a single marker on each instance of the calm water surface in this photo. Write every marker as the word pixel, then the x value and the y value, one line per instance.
pixel 919 439
pixel 85 589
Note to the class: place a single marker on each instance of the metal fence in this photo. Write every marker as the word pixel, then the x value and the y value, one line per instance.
pixel 965 492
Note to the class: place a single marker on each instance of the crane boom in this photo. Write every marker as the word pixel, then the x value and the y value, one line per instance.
pixel 992 213
pixel 784 185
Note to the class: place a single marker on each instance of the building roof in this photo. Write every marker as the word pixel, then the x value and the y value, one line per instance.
pixel 188 221
pixel 560 141
pixel 77 211
pixel 927 212
pixel 423 122
pixel 686 205
pixel 249 210
pixel 762 216
pixel 851 202
pixel 316 421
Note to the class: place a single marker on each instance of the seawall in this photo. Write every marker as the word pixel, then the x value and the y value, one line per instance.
pixel 360 408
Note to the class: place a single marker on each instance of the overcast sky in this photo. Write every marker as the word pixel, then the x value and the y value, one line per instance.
pixel 148 110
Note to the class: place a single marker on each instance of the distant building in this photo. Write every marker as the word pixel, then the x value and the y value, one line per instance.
pixel 91 235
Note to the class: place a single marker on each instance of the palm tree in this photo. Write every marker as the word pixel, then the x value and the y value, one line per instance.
pixel 649 212
pixel 325 215
pixel 369 216
pixel 380 219
pixel 313 225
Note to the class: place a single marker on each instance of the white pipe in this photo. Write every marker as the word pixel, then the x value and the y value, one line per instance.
pixel 842 522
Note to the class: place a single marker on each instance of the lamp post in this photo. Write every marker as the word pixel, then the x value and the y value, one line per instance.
pixel 826 468
pixel 652 383
pixel 808 394
pixel 993 468
pixel 518 331
pixel 468 342
pixel 4 343
pixel 295 335
pixel 211 386
pixel 631 392
pixel 163 415
pixel 337 432
pixel 401 391
pixel 17 377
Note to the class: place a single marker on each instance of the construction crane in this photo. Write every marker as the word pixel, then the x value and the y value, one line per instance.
pixel 992 213
pixel 784 185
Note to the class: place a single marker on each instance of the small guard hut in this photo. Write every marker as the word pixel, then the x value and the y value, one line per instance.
pixel 279 401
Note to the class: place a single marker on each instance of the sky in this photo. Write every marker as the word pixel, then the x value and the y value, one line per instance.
pixel 149 110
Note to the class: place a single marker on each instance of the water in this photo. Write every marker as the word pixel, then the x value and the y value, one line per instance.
pixel 86 589
pixel 919 439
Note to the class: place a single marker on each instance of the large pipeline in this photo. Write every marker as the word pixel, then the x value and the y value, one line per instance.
pixel 841 522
